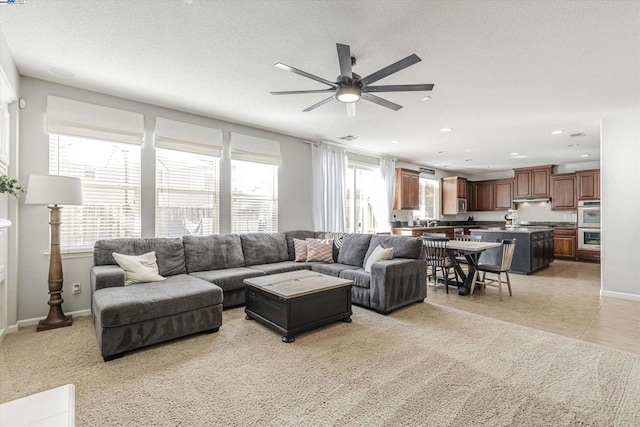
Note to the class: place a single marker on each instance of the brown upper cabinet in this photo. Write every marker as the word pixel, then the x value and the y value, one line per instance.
pixel 407 195
pixel 532 182
pixel 503 195
pixel 563 192
pixel 483 194
pixel 453 188
pixel 472 204
pixel 588 184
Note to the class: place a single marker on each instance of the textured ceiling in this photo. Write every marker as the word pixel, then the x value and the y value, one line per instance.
pixel 506 73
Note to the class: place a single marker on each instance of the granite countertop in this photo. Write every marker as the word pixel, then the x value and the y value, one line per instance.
pixel 528 230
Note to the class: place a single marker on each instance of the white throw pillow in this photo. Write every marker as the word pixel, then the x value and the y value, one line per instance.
pixel 139 268
pixel 300 250
pixel 378 254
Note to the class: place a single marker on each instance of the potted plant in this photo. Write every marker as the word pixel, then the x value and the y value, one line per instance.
pixel 10 186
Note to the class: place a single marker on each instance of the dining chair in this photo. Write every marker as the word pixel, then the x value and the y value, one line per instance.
pixel 436 257
pixel 508 248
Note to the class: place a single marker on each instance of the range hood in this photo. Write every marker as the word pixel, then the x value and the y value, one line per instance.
pixel 532 199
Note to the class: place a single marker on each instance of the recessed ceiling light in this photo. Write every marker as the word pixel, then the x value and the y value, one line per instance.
pixel 425 98
pixel 572 145
pixel 557 132
pixel 395 141
pixel 469 160
pixel 585 155
pixel 514 154
pixel 519 157
pixel 59 71
pixel 441 152
pixel 438 164
pixel 446 129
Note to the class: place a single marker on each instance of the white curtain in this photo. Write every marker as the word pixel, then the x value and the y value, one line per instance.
pixel 384 198
pixel 329 168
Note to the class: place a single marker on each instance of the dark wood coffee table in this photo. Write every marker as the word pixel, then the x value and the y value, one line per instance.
pixel 297 301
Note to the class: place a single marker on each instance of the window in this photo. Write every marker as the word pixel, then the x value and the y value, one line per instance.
pixel 429 199
pixel 187 193
pixel 187 178
pixel 110 173
pixel 254 197
pixel 361 187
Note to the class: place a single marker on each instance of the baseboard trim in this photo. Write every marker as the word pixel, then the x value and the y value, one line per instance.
pixel 620 295
pixel 35 320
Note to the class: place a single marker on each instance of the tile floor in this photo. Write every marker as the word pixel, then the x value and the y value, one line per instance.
pixel 564 299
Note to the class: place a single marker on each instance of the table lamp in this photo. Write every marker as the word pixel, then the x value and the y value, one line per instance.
pixel 54 190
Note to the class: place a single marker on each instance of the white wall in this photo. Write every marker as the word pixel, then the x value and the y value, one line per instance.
pixel 10 70
pixel 294 190
pixel 620 201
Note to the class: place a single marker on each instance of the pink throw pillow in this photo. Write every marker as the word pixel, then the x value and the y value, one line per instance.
pixel 300 250
pixel 320 250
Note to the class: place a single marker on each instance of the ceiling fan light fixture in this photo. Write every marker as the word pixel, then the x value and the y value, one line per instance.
pixel 348 94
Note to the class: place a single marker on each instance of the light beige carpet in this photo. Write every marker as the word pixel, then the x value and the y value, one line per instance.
pixel 423 365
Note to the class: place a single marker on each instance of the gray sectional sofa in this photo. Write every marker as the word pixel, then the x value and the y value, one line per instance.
pixel 205 274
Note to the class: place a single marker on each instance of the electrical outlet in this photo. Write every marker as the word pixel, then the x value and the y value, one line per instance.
pixel 76 288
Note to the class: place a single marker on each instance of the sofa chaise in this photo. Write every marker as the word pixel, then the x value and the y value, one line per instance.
pixel 204 274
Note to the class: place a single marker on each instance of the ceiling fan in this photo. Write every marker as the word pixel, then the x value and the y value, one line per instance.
pixel 350 87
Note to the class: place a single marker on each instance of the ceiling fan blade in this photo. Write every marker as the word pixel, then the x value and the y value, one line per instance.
pixel 380 101
pixel 351 109
pixel 296 92
pixel 397 88
pixel 304 74
pixel 390 69
pixel 344 58
pixel 319 104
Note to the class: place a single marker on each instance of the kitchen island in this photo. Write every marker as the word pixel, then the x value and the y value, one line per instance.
pixel 534 247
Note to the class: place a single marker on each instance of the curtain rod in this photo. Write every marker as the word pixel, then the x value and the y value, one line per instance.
pixel 351 149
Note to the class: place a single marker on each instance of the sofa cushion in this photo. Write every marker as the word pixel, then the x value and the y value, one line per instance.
pixel 361 278
pixel 282 267
pixel 264 248
pixel 230 278
pixel 296 234
pixel 215 252
pixel 354 248
pixel 169 252
pixel 403 246
pixel 333 269
pixel 147 301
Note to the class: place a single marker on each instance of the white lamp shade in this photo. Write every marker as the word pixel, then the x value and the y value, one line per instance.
pixel 53 190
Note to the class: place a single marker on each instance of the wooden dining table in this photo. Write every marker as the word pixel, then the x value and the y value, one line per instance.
pixel 471 251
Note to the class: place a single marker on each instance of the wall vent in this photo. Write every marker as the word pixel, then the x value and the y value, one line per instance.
pixel 575 135
pixel 349 137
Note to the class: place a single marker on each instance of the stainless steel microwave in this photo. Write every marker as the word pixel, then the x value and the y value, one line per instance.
pixel 462 205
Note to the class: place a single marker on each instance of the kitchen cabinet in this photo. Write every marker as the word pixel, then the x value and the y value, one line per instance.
pixel 588 184
pixel 589 256
pixel 534 249
pixel 563 192
pixel 471 196
pixel 502 195
pixel 565 243
pixel 453 188
pixel 418 231
pixel 484 195
pixel 532 182
pixel 407 194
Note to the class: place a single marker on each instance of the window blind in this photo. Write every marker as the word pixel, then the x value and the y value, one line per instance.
pixel 253 149
pixel 187 193
pixel 81 119
pixel 254 197
pixel 110 173
pixel 187 137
